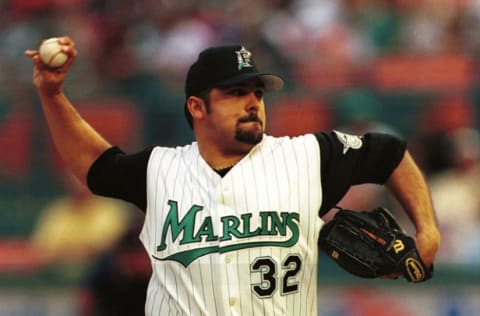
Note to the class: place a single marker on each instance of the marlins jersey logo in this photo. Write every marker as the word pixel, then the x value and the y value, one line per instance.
pixel 284 225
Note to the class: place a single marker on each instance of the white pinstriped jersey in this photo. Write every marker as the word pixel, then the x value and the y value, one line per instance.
pixel 242 244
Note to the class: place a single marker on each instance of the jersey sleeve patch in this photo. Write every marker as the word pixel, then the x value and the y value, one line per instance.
pixel 349 141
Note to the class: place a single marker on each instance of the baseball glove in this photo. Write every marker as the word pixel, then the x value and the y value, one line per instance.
pixel 372 244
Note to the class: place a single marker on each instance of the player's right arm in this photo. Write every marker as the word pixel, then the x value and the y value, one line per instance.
pixel 76 141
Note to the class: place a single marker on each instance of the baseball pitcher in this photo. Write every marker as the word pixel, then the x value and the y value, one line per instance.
pixel 232 220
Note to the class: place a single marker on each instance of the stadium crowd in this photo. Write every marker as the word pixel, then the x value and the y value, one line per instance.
pixel 403 66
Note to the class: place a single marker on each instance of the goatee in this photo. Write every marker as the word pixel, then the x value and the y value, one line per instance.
pixel 249 136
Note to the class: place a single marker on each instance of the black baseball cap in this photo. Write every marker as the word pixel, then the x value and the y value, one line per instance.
pixel 226 65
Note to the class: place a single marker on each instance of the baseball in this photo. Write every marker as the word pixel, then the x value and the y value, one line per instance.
pixel 51 53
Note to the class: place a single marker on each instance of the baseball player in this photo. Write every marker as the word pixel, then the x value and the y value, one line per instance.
pixel 232 219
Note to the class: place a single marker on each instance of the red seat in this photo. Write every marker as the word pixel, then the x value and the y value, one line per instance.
pixel 16 144
pixel 295 116
pixel 442 72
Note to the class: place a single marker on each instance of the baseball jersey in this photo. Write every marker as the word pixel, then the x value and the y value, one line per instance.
pixel 244 243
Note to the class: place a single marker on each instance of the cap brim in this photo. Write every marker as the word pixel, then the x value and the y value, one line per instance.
pixel 271 82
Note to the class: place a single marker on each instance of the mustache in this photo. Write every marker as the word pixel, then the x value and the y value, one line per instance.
pixel 252 117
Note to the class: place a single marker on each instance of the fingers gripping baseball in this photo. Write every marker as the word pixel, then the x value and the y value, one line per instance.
pixel 48 77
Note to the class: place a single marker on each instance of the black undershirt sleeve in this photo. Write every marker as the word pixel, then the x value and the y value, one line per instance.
pixel 118 175
pixel 372 162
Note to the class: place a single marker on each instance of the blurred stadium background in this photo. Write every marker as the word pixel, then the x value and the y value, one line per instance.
pixel 410 67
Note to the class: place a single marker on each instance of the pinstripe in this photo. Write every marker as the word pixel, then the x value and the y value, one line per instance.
pixel 237 259
pixel 308 214
pixel 280 176
pixel 171 169
pixel 288 176
pixel 166 268
pixel 298 206
pixel 154 215
pixel 192 282
pixel 252 167
pixel 197 174
pixel 212 206
pixel 276 184
pixel 289 180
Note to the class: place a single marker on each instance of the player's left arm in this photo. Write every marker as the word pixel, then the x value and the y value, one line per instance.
pixel 410 188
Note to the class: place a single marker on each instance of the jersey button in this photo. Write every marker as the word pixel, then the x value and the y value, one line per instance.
pixel 232 301
pixel 228 260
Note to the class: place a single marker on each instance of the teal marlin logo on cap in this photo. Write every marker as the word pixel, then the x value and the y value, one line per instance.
pixel 243 58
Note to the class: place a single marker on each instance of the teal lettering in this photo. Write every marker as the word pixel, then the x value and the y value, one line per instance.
pixel 185 226
pixel 270 223
pixel 265 229
pixel 206 229
pixel 279 226
pixel 246 226
pixel 230 227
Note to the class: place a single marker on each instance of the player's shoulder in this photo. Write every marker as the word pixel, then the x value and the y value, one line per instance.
pixel 300 140
pixel 177 150
pixel 183 152
pixel 289 146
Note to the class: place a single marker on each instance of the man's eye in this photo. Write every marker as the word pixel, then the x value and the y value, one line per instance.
pixel 259 93
pixel 238 91
pixel 241 91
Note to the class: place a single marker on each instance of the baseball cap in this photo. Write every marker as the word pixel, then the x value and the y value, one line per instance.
pixel 226 65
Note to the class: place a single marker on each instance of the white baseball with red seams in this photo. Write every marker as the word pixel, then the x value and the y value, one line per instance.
pixel 51 53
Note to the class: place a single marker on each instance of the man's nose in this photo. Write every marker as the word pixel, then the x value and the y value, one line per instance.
pixel 254 102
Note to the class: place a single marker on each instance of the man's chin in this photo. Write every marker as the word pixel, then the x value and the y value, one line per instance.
pixel 249 137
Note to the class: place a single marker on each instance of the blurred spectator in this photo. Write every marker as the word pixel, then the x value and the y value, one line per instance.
pixel 324 52
pixel 376 24
pixel 78 226
pixel 456 199
pixel 117 282
pixel 445 114
pixel 360 111
pixel 17 128
pixel 297 114
pixel 430 26
pixel 469 24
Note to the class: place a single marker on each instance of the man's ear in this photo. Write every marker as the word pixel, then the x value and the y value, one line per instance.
pixel 196 107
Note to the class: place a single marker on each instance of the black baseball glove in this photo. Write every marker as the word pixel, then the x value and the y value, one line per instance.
pixel 372 244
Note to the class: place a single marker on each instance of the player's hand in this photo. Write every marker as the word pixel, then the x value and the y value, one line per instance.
pixel 48 80
pixel 428 243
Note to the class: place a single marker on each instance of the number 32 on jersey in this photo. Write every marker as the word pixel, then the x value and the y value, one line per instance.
pixel 274 275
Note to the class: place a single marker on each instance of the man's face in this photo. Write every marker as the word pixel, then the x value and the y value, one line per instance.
pixel 238 111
